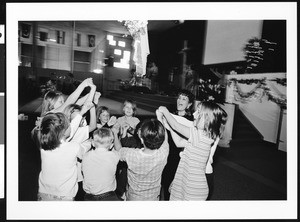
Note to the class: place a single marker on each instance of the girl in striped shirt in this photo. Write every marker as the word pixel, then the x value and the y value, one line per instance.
pixel 209 121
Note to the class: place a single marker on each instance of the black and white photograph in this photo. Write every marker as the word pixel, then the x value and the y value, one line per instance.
pixel 163 110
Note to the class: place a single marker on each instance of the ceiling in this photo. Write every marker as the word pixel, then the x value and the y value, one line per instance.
pixel 117 27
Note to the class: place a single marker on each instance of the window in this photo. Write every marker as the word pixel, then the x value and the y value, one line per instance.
pixel 110 39
pixel 43 36
pixel 119 51
pixel 60 37
pixel 121 43
pixel 78 39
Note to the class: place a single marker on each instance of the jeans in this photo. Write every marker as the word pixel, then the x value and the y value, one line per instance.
pixel 108 196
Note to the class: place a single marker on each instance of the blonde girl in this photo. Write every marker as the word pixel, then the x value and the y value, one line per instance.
pixel 55 101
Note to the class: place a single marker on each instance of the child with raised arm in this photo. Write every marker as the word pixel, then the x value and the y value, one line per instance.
pixel 99 167
pixel 55 102
pixel 58 176
pixel 209 121
pixel 80 129
pixel 145 165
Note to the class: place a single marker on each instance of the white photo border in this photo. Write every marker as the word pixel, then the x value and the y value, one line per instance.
pixel 149 210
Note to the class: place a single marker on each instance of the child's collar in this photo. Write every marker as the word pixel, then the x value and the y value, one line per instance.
pixel 148 151
pixel 101 149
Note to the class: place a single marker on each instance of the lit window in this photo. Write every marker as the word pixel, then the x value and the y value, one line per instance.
pixel 124 62
pixel 126 55
pixel 112 42
pixel 121 43
pixel 117 52
pixel 110 37
pixel 121 65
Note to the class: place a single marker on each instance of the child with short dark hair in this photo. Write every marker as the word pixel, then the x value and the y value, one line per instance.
pixel 145 165
pixel 99 167
pixel 58 176
pixel 209 122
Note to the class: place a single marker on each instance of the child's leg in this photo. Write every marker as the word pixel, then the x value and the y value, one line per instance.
pixel 121 177
pixel 210 183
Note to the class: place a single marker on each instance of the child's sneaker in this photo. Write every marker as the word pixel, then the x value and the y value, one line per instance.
pixel 123 196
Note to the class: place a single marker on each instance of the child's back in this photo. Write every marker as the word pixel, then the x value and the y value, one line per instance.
pixel 58 176
pixel 59 171
pixel 145 165
pixel 99 167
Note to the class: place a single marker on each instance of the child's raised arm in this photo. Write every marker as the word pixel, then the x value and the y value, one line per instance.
pixel 178 140
pixel 117 143
pixel 182 129
pixel 75 95
pixel 89 102
pixel 93 121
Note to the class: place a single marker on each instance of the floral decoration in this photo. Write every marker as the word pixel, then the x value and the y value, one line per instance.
pixel 208 91
pixel 256 51
pixel 135 27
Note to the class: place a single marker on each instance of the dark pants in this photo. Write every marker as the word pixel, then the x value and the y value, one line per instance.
pixel 121 177
pixel 210 182
pixel 170 170
pixel 108 196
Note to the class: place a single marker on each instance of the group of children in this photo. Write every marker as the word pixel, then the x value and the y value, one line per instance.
pixel 80 148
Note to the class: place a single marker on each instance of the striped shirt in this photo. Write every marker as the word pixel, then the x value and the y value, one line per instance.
pixel 190 182
pixel 144 171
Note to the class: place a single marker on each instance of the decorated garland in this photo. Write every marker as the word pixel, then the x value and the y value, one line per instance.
pixel 279 81
pixel 255 94
pixel 258 91
pixel 281 101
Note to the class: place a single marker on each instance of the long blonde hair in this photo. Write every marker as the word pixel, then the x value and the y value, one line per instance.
pixel 49 100
pixel 213 118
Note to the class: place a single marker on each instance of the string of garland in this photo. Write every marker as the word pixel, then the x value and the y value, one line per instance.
pixel 261 84
pixel 279 101
pixel 279 81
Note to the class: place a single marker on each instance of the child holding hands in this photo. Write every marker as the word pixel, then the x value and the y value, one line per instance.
pixel 145 165
pixel 190 181
pixel 99 167
pixel 58 176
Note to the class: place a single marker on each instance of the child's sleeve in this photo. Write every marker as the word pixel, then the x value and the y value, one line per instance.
pixel 74 126
pixel 124 152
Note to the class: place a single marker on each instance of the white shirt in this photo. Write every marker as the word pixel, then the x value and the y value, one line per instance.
pixel 99 171
pixel 58 174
